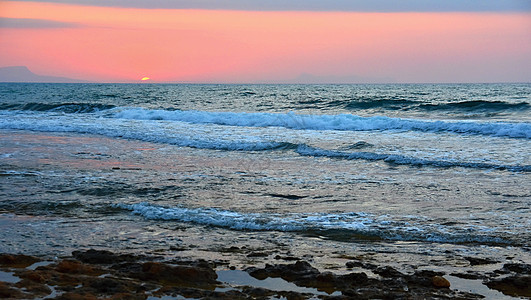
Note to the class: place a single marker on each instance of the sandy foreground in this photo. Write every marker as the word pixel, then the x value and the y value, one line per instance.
pixel 98 274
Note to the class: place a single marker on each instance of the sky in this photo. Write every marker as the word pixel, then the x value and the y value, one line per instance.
pixel 297 41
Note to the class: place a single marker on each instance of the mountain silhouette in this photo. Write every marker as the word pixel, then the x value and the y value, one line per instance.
pixel 23 74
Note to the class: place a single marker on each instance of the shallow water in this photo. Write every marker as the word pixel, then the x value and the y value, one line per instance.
pixel 402 175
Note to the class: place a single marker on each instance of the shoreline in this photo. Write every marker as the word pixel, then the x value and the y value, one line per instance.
pixel 94 274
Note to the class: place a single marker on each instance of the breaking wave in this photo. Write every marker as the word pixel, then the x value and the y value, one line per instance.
pixel 405 160
pixel 343 226
pixel 343 122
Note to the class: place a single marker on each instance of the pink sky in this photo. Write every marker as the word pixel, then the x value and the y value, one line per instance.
pixel 125 44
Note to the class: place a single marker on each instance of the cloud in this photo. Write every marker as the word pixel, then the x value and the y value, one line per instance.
pixel 21 23
pixel 318 5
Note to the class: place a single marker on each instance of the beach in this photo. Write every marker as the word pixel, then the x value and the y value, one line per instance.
pixel 401 183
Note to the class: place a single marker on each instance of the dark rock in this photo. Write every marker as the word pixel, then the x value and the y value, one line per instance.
pixel 287 258
pixel 107 286
pixel 517 285
pixel 35 276
pixel 422 278
pixel 475 261
pixel 8 292
pixel 257 254
pixel 36 289
pixel 177 275
pixel 388 272
pixel 303 274
pixel 17 261
pixel 354 278
pixel 428 273
pixel 232 249
pixel 257 292
pixel 102 257
pixel 128 267
pixel 201 263
pixel 293 295
pixel 518 268
pixel 354 264
pixel 130 277
pixel 76 267
pixel 298 270
pixel 359 264
pixel 175 248
pixel 77 296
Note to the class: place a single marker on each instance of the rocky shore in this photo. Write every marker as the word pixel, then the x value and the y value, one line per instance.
pixel 97 274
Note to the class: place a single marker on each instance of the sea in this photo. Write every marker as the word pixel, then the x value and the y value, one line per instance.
pixel 409 175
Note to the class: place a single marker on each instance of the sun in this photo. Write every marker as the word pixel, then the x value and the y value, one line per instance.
pixel 145 78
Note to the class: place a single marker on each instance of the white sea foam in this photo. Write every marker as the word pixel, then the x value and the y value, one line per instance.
pixel 337 225
pixel 150 131
pixel 405 160
pixel 233 138
pixel 346 122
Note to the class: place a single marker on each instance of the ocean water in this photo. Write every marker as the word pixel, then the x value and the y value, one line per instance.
pixel 403 174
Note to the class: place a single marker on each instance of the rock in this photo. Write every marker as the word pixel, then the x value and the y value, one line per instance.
pixel 257 292
pixel 298 270
pixel 76 267
pixel 36 289
pixel 178 275
pixel 35 276
pixel 518 268
pixel 8 292
pixel 440 282
pixel 107 286
pixel 475 261
pixel 423 278
pixel 428 273
pixel 359 264
pixel 516 286
pixel 388 272
pixel 128 277
pixel 354 278
pixel 287 258
pixel 17 260
pixel 354 264
pixel 77 296
pixel 303 274
pixel 257 254
pixel 102 257
pixel 201 263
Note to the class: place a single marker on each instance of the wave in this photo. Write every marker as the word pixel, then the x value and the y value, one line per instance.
pixel 58 107
pixel 398 103
pixel 406 160
pixel 343 226
pixel 152 131
pixel 477 105
pixel 343 122
pixel 392 104
pixel 149 133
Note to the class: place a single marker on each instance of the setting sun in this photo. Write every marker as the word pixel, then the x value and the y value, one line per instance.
pixel 145 78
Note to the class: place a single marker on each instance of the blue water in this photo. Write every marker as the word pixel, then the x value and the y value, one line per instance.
pixel 310 167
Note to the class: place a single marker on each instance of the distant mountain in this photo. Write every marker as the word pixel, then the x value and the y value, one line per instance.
pixel 23 74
